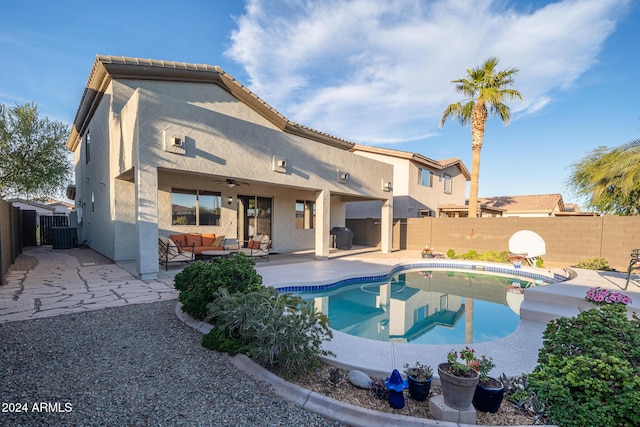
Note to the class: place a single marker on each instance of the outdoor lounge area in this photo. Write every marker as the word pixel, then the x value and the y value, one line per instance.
pixel 182 249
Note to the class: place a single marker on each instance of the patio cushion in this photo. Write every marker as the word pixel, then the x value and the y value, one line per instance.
pixel 209 240
pixel 254 244
pixel 179 240
pixel 218 241
pixel 194 239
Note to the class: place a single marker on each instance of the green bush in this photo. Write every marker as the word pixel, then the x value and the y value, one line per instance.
pixel 589 368
pixel 278 331
pixel 594 264
pixel 451 254
pixel 199 282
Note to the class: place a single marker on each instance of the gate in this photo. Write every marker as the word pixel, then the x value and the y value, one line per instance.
pixel 28 228
pixel 48 221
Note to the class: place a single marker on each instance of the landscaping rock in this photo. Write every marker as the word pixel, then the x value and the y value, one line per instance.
pixel 359 379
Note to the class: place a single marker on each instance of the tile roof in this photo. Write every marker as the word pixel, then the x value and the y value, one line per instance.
pixel 547 203
pixel 436 164
pixel 106 68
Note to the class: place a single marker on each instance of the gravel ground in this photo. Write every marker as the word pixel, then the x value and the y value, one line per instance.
pixel 136 365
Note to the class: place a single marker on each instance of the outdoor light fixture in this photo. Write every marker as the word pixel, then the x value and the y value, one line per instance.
pixel 343 176
pixel 229 200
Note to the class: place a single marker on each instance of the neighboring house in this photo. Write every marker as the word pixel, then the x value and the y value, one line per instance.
pixel 420 184
pixel 537 205
pixel 166 147
pixel 43 207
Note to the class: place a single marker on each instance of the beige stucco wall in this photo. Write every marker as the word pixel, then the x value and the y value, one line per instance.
pixel 409 196
pixel 132 171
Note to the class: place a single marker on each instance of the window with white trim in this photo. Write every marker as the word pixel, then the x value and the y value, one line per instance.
pixel 447 184
pixel 426 178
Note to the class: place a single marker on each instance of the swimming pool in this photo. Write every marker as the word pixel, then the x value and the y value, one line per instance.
pixel 424 306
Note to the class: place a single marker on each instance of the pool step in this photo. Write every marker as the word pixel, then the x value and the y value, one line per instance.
pixel 544 311
pixel 545 303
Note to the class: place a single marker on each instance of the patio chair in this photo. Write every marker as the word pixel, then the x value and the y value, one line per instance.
pixel 168 252
pixel 231 244
pixel 258 247
pixel 634 264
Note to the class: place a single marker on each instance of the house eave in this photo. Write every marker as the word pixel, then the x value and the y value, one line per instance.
pixel 107 68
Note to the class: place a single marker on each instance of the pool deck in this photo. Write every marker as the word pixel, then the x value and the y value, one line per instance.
pixel 59 285
pixel 513 355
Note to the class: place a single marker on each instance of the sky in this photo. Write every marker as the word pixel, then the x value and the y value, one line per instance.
pixel 374 72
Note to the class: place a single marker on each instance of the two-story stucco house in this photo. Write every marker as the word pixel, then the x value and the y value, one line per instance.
pixel 420 185
pixel 166 147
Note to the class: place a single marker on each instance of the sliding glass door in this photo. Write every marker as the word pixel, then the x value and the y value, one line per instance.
pixel 254 216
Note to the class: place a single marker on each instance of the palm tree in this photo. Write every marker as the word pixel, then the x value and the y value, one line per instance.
pixel 484 87
pixel 609 179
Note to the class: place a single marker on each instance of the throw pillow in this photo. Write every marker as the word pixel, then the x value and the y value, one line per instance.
pixel 208 239
pixel 194 239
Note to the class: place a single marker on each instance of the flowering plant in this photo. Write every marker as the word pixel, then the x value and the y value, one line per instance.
pixel 483 366
pixel 516 258
pixel 459 368
pixel 427 250
pixel 600 296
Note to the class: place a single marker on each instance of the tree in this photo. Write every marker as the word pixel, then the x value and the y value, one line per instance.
pixel 34 160
pixel 484 87
pixel 609 178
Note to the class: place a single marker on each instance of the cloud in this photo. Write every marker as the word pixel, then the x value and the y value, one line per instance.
pixel 379 71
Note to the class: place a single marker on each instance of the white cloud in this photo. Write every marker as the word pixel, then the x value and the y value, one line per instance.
pixel 377 71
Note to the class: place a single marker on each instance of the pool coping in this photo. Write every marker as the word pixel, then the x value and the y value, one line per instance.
pixel 514 354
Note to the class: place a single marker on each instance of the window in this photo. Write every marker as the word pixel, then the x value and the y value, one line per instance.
pixel 305 214
pixel 87 147
pixel 447 184
pixel 426 178
pixel 195 207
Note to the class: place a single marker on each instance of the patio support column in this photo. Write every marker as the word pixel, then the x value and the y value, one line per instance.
pixel 146 183
pixel 386 226
pixel 323 217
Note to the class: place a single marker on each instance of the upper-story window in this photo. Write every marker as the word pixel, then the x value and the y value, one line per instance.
pixel 87 147
pixel 195 207
pixel 447 184
pixel 426 178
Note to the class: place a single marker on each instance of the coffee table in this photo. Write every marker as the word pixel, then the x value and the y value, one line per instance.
pixel 213 254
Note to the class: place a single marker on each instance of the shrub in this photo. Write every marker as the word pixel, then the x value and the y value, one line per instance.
pixel 589 368
pixel 199 282
pixel 278 331
pixel 451 254
pixel 594 264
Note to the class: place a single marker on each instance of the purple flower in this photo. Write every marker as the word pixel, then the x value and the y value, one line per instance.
pixel 599 295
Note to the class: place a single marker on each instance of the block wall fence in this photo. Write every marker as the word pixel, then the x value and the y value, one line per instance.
pixel 568 239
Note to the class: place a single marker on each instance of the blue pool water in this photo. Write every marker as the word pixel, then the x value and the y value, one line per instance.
pixel 425 307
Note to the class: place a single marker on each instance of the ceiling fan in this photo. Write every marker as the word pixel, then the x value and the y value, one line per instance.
pixel 232 182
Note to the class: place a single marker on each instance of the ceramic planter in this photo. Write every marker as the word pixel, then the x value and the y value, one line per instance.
pixel 457 391
pixel 419 390
pixel 488 397
pixel 428 255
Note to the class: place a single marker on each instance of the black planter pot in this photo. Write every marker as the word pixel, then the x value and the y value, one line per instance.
pixel 488 399
pixel 419 390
